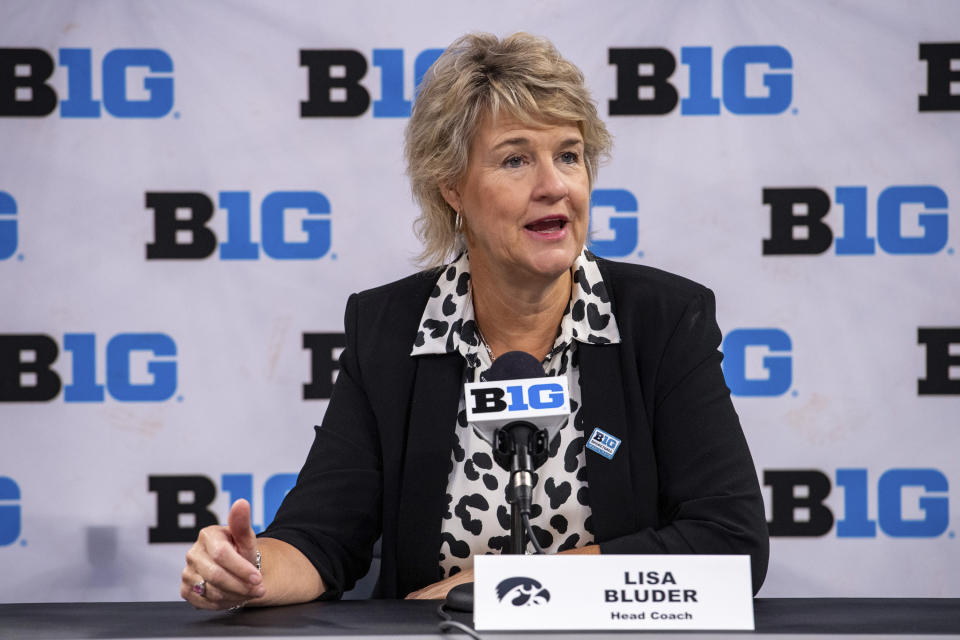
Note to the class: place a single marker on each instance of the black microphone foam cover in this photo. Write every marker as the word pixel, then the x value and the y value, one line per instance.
pixel 514 365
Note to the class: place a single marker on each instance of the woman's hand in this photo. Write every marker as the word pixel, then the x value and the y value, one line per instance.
pixel 221 569
pixel 438 590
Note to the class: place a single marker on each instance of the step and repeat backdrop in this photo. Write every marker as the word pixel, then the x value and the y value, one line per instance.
pixel 190 191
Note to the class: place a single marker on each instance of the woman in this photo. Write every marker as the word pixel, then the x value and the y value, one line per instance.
pixel 502 149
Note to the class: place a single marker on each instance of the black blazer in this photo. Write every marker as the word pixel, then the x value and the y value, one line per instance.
pixel 682 480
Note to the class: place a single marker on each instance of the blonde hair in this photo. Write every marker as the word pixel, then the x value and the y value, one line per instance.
pixel 479 75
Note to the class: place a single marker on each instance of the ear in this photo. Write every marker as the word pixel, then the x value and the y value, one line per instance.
pixel 452 195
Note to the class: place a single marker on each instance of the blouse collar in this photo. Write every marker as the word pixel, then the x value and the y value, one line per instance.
pixel 448 321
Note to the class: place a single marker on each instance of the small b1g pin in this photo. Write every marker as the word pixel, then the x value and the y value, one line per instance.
pixel 603 443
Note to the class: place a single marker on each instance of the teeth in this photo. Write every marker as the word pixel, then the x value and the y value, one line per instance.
pixel 546 225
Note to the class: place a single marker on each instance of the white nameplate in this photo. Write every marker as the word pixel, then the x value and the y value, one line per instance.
pixel 585 592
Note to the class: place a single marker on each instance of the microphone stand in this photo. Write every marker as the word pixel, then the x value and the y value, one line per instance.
pixel 518 534
pixel 520 447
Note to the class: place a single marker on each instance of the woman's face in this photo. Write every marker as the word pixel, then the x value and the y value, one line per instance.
pixel 525 198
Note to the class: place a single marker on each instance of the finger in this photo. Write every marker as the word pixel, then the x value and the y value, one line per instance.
pixel 197 601
pixel 206 568
pixel 221 599
pixel 216 545
pixel 439 590
pixel 212 567
pixel 209 599
pixel 241 529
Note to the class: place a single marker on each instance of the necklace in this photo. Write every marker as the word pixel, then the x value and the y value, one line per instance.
pixel 483 341
pixel 489 351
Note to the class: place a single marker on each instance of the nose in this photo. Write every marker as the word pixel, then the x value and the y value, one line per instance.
pixel 551 184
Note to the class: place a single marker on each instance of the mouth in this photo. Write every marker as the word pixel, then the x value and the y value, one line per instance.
pixel 549 224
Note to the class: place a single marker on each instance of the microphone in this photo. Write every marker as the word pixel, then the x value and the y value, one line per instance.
pixel 515 389
pixel 519 432
pixel 518 411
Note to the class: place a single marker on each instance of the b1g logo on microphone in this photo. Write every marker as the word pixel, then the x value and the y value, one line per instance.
pixel 509 400
pixel 798 226
pixel 140 367
pixel 8 226
pixel 24 90
pixel 746 368
pixel 181 226
pixel 183 502
pixel 334 88
pixel 943 74
pixel 754 80
pixel 10 519
pixel 909 503
pixel 613 223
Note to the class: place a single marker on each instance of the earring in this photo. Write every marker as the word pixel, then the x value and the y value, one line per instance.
pixel 458 223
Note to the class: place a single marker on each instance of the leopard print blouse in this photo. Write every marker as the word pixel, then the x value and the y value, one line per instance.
pixel 477 518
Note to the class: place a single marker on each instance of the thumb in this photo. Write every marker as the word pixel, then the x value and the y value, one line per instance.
pixel 241 531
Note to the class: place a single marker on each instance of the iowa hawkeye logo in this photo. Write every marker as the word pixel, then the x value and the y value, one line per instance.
pixel 522 592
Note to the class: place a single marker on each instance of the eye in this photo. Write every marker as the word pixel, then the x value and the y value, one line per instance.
pixel 570 157
pixel 513 162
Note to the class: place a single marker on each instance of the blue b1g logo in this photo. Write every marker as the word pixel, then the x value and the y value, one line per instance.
pixel 189 237
pixel 644 87
pixel 334 88
pixel 619 238
pixel 8 225
pixel 26 373
pixel 540 396
pixel 24 90
pixel 9 511
pixel 183 502
pixel 908 502
pixel 777 375
pixel 798 223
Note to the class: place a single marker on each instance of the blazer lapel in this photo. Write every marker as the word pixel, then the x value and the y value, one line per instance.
pixel 433 415
pixel 611 483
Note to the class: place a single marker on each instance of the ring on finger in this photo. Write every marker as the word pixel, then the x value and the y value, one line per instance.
pixel 200 588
